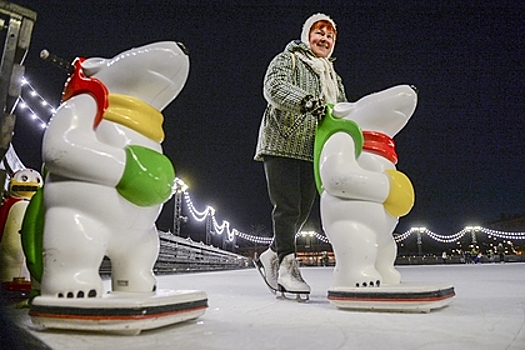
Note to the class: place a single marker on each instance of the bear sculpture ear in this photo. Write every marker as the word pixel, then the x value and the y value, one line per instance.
pixel 92 66
pixel 342 109
pixel 183 48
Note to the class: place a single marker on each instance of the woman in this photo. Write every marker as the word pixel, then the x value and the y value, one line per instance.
pixel 298 83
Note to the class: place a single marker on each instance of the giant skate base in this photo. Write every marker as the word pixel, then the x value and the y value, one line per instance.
pixel 403 297
pixel 120 313
pixel 488 312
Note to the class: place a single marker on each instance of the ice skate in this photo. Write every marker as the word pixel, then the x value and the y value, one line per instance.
pixel 268 267
pixel 290 280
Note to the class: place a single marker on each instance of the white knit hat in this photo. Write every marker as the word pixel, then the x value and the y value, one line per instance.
pixel 305 34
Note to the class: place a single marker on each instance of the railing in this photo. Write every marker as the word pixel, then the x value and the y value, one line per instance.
pixel 180 255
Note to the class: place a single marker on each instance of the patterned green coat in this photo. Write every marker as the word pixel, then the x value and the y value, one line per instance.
pixel 285 131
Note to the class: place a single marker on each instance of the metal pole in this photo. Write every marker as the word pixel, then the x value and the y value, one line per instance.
pixel 19 22
pixel 419 243
pixel 208 228
pixel 177 217
pixel 473 233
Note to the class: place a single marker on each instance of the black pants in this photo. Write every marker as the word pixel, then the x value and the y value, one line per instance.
pixel 292 191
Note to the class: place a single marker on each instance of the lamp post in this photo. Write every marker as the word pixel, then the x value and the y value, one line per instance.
pixel 419 231
pixel 473 230
pixel 178 218
pixel 308 235
pixel 308 238
pixel 209 225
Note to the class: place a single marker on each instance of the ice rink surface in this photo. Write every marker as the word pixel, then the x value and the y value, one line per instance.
pixel 488 312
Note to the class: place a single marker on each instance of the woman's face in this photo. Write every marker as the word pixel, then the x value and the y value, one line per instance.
pixel 321 41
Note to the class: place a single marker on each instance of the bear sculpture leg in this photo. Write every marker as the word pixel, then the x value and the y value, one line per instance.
pixel 386 256
pixel 71 266
pixel 355 250
pixel 131 267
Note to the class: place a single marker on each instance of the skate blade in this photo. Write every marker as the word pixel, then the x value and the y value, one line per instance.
pixel 259 266
pixel 299 297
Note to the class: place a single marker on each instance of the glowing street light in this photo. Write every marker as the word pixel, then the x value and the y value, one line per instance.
pixel 308 235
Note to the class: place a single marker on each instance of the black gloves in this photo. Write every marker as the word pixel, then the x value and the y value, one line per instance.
pixel 314 106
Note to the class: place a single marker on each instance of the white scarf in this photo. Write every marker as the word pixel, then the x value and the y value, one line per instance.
pixel 324 68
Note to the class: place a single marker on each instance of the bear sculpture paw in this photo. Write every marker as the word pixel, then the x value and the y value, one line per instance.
pixel 80 294
pixel 368 284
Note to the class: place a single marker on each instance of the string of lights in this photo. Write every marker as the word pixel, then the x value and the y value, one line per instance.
pixel 31 98
pixel 402 236
pixel 224 227
pixel 503 235
pixel 200 216
pixel 197 215
pixel 446 239
pixel 458 235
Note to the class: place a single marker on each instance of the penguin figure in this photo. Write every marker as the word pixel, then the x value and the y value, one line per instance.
pixel 22 186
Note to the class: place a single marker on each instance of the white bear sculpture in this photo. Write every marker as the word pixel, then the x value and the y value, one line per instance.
pixel 106 182
pixel 362 193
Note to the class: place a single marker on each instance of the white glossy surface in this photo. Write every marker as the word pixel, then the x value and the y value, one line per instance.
pixel 487 313
pixel 387 111
pixel 352 210
pixel 154 73
pixel 405 298
pixel 86 218
pixel 121 323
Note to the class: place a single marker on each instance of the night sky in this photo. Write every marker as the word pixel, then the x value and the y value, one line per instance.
pixel 462 148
